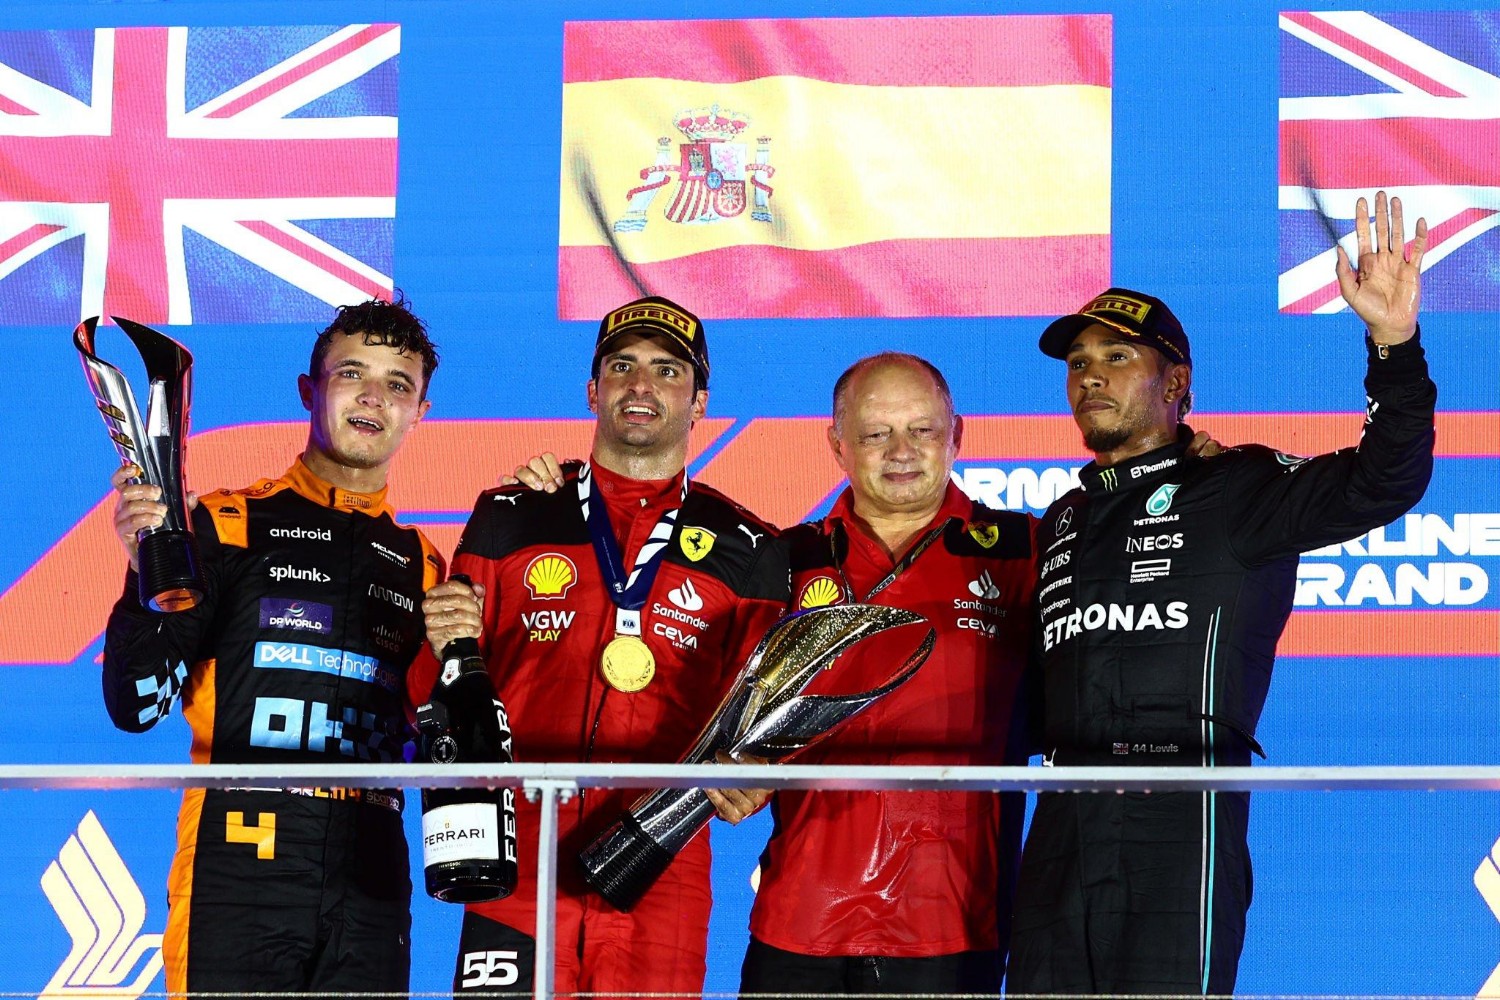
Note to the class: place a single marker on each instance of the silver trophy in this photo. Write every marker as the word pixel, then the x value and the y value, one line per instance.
pixel 788 696
pixel 168 555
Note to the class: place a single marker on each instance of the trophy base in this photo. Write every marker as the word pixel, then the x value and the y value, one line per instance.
pixel 623 863
pixel 169 571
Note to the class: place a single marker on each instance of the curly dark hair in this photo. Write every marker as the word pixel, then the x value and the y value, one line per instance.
pixel 382 324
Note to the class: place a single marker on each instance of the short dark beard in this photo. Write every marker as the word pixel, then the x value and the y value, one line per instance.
pixel 1102 439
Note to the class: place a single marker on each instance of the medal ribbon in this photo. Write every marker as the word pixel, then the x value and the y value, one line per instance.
pixel 838 547
pixel 628 592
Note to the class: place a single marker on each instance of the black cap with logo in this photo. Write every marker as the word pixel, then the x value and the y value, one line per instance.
pixel 1138 316
pixel 656 315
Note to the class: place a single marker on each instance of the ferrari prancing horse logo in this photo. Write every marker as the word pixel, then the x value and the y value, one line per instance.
pixel 696 542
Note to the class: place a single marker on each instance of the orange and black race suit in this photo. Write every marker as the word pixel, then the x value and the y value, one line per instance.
pixel 722 582
pixel 298 652
pixel 908 875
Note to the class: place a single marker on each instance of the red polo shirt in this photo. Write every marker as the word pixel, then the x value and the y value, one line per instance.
pixel 908 874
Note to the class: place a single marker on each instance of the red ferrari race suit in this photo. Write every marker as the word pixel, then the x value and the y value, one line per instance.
pixel 907 875
pixel 297 653
pixel 723 580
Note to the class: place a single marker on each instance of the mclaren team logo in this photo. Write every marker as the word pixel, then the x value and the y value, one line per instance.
pixel 550 575
pixel 985 534
pixel 819 592
pixel 696 542
pixel 102 909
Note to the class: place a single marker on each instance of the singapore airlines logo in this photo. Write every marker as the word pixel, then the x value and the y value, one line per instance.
pixel 1487 881
pixel 102 909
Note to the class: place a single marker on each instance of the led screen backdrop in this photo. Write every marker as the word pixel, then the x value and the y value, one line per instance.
pixel 929 177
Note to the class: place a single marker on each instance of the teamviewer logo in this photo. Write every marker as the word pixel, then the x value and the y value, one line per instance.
pixel 102 909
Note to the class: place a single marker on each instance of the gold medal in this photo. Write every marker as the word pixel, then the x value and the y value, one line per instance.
pixel 628 663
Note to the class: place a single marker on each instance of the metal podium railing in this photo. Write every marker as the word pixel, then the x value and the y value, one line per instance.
pixel 554 784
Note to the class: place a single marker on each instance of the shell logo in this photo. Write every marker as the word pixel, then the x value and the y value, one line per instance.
pixel 549 576
pixel 820 592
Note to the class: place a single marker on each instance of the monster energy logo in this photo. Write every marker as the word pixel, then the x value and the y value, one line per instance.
pixel 1110 478
pixel 1161 499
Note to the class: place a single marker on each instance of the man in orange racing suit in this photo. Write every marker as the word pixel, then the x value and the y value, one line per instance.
pixel 297 653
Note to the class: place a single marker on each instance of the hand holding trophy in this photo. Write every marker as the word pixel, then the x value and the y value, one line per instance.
pixel 170 579
pixel 788 696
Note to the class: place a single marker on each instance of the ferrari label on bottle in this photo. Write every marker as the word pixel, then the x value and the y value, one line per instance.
pixel 465 831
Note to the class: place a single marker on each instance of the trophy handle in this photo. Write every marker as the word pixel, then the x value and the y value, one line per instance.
pixel 797 723
pixel 122 419
pixel 166 360
pixel 747 698
pixel 169 369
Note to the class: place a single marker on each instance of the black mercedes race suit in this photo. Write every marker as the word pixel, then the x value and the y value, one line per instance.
pixel 297 653
pixel 1163 587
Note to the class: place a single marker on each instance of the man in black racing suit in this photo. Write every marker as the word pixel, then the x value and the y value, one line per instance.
pixel 297 653
pixel 1164 584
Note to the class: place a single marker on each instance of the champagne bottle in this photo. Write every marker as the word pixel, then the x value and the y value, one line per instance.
pixel 468 834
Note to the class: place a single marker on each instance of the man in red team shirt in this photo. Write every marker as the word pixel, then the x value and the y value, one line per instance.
pixel 613 610
pixel 893 891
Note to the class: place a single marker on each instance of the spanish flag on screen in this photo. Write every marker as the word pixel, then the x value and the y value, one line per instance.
pixel 899 166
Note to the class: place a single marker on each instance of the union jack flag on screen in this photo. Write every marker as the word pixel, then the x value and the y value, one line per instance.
pixel 1407 102
pixel 196 175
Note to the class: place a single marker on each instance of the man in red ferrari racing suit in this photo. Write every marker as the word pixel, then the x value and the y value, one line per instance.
pixel 591 672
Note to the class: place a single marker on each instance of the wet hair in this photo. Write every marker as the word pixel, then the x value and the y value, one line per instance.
pixel 382 324
pixel 841 387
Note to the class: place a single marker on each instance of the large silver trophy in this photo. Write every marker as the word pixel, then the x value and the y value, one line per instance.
pixel 169 567
pixel 789 695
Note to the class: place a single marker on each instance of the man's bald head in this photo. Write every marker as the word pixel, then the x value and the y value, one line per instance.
pixel 882 360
